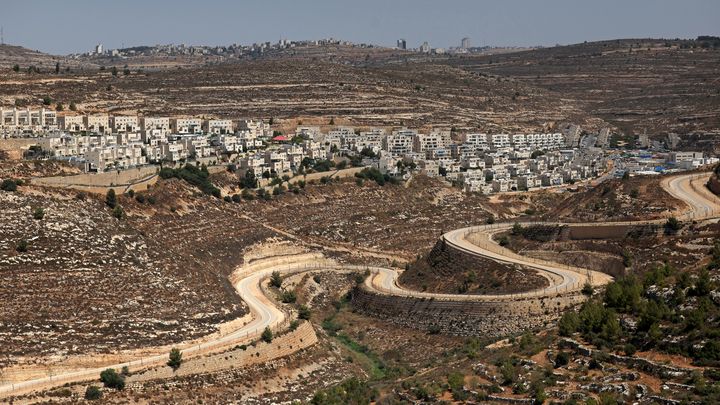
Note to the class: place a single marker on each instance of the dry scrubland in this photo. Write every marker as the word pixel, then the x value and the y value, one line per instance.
pixel 633 85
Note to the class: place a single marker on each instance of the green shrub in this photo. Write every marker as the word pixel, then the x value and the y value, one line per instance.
pixel 352 391
pixel 569 323
pixel 197 176
pixel 111 379
pixel 111 198
pixel 22 246
pixel 118 212
pixel 8 185
pixel 93 393
pixel 304 312
pixel 267 335
pixel 175 358
pixel 562 359
pixel 276 279
pixel 39 213
pixel 288 297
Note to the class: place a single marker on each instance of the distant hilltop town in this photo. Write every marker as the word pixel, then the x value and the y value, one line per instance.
pixel 257 49
pixel 477 162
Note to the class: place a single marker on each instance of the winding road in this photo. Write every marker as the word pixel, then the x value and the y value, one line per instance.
pixel 476 240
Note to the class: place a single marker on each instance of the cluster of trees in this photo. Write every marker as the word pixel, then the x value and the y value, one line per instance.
pixel 352 391
pixel 197 176
pixel 371 173
pixel 111 201
pixel 656 315
pixel 540 233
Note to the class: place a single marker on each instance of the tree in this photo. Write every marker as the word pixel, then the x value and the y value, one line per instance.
pixel 267 335
pixel 626 175
pixel 562 359
pixel 627 258
pixel 111 198
pixel 73 107
pixel 47 100
pixel 249 180
pixel 16 68
pixel 111 379
pixel 288 297
pixel 304 312
pixel 276 279
pixel 672 224
pixel 59 107
pixel 569 323
pixel 118 212
pixel 114 71
pixel 93 393
pixel 57 68
pixel 352 391
pixel 126 72
pixel 175 358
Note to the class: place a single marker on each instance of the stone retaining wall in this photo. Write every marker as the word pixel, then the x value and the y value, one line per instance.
pixel 284 345
pixel 465 318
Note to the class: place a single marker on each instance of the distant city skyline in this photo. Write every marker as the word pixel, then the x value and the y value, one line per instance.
pixel 76 26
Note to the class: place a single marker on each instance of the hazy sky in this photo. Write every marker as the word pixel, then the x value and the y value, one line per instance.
pixel 68 26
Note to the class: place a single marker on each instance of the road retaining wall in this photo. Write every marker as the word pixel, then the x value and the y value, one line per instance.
pixel 465 318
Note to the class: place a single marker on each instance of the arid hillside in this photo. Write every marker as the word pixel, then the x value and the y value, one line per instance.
pixel 661 86
pixel 631 85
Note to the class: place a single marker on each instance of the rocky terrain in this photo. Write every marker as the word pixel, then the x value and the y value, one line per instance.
pixel 633 85
pixel 102 284
pixel 445 270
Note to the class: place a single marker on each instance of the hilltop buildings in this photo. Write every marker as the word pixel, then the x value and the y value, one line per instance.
pixel 477 162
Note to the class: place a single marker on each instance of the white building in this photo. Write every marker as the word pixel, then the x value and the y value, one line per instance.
pixel 218 127
pixel 186 125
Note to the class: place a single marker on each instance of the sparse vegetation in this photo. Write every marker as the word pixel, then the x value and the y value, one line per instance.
pixel 111 379
pixel 175 359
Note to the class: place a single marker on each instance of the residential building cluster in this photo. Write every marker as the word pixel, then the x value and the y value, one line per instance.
pixel 477 162
pixel 227 51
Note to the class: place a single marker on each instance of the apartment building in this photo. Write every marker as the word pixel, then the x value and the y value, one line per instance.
pixel 257 128
pixel 99 123
pixel 124 123
pixel 186 125
pixel 214 127
pixel 400 143
pixel 16 119
pixel 499 141
pixel 159 124
pixel 72 123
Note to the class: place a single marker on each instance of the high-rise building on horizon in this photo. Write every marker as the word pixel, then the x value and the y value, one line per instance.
pixel 465 43
pixel 98 49
pixel 401 44
pixel 425 48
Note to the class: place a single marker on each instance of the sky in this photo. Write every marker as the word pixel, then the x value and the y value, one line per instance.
pixel 70 26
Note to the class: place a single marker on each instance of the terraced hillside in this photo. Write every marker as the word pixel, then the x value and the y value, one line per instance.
pixel 77 279
pixel 634 85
